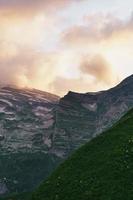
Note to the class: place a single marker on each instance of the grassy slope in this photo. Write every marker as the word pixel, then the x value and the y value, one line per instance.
pixel 100 170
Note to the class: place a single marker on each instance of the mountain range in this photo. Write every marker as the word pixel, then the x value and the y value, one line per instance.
pixel 39 130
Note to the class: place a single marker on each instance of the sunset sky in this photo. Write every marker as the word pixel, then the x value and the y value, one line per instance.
pixel 62 45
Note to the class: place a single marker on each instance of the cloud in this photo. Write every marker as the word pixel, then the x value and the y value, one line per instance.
pixel 23 62
pixel 99 28
pixel 62 85
pixel 30 29
pixel 98 67
pixel 27 68
pixel 30 7
pixel 95 73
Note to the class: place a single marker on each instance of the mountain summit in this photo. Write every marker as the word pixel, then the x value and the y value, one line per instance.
pixel 82 116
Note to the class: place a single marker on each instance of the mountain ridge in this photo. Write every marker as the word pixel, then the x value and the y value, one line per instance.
pixel 48 128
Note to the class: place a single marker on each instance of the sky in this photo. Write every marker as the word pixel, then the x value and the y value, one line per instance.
pixel 63 45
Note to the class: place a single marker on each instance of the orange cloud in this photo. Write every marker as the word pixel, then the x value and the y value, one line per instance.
pixel 27 68
pixel 62 85
pixel 98 67
pixel 95 73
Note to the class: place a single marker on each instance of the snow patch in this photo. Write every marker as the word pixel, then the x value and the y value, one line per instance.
pixel 7 102
pixel 5 94
pixel 48 142
pixel 39 114
pixel 48 123
pixel 2 109
pixel 42 111
pixel 45 109
pixel 91 107
pixel 11 118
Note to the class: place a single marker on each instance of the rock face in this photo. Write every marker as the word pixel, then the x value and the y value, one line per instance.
pixel 27 120
pixel 81 117
pixel 38 129
pixel 3 188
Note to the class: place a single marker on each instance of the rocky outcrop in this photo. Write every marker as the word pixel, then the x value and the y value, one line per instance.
pixel 80 117
pixel 26 120
pixel 3 188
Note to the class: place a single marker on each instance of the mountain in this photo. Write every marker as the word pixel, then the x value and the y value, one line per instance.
pixel 80 117
pixel 26 123
pixel 100 170
pixel 39 130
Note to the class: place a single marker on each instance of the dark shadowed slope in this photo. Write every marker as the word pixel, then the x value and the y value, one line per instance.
pixel 100 170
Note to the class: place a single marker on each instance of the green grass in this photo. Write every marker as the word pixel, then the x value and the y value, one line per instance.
pixel 100 170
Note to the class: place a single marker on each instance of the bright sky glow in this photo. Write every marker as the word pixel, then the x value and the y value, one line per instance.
pixel 62 45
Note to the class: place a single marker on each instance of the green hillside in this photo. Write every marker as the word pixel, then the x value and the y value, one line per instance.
pixel 100 170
